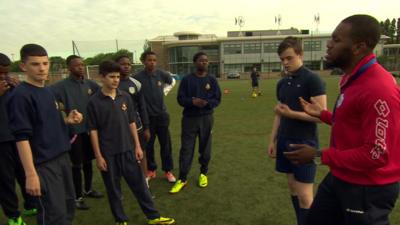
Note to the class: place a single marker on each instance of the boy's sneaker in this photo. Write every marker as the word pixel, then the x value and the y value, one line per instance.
pixel 162 220
pixel 178 186
pixel 121 223
pixel 170 177
pixel 151 174
pixel 203 180
pixel 30 212
pixel 16 221
pixel 92 194
pixel 80 204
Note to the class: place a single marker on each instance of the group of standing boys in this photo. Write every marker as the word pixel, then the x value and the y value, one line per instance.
pixel 75 121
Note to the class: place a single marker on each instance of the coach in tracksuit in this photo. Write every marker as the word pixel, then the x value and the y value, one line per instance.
pixel 363 157
pixel 74 92
pixel 199 94
pixel 153 80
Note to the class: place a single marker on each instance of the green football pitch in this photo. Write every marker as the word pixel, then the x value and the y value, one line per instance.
pixel 243 187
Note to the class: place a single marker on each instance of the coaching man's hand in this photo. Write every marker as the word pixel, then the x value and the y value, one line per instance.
pixel 303 154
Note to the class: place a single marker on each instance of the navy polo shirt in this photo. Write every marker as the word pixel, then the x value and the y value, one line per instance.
pixel 303 83
pixel 35 115
pixel 73 93
pixel 206 88
pixel 134 88
pixel 153 90
pixel 111 118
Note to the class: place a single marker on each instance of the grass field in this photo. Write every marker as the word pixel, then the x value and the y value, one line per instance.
pixel 243 187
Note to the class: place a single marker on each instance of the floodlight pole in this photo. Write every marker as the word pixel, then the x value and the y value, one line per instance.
pixel 278 20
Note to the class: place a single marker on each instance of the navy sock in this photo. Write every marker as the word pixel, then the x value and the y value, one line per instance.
pixel 295 202
pixel 301 219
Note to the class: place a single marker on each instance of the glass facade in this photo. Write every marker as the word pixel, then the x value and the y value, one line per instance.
pixel 271 67
pixel 249 67
pixel 311 46
pixel 228 68
pixel 252 48
pixel 181 58
pixel 230 49
pixel 312 65
pixel 271 47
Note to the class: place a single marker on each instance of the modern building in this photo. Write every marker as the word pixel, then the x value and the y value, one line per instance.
pixel 239 51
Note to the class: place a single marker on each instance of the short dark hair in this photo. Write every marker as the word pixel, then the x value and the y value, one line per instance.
pixel 290 42
pixel 108 66
pixel 364 28
pixel 121 57
pixel 72 57
pixel 197 55
pixel 32 50
pixel 4 60
pixel 145 54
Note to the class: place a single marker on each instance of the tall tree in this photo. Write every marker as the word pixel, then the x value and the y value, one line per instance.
pixel 392 30
pixel 382 25
pixel 97 59
pixel 398 31
pixel 146 45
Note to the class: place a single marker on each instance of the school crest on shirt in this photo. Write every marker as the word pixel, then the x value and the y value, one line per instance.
pixel 340 100
pixel 208 86
pixel 61 106
pixel 124 107
pixel 90 92
pixel 131 90
pixel 159 83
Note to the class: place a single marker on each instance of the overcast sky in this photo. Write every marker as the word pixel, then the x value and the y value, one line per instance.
pixel 55 23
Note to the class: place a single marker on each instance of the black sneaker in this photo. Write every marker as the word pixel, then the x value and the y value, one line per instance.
pixel 92 194
pixel 80 204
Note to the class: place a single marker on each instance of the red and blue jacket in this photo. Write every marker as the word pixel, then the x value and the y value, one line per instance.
pixel 365 136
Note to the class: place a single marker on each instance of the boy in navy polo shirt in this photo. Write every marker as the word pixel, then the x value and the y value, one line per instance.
pixel 292 125
pixel 116 145
pixel 41 135
pixel 74 92
pixel 199 94
pixel 10 165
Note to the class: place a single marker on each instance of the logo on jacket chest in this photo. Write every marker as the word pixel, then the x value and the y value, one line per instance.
pixel 340 100
pixel 208 86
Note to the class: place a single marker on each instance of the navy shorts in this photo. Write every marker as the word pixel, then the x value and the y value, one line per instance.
pixel 302 173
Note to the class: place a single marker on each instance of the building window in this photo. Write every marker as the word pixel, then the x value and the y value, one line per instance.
pixel 210 50
pixel 271 47
pixel 252 48
pixel 312 46
pixel 249 67
pixel 230 68
pixel 312 65
pixel 230 49
pixel 272 67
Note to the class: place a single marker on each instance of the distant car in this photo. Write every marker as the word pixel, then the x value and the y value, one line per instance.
pixel 233 75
